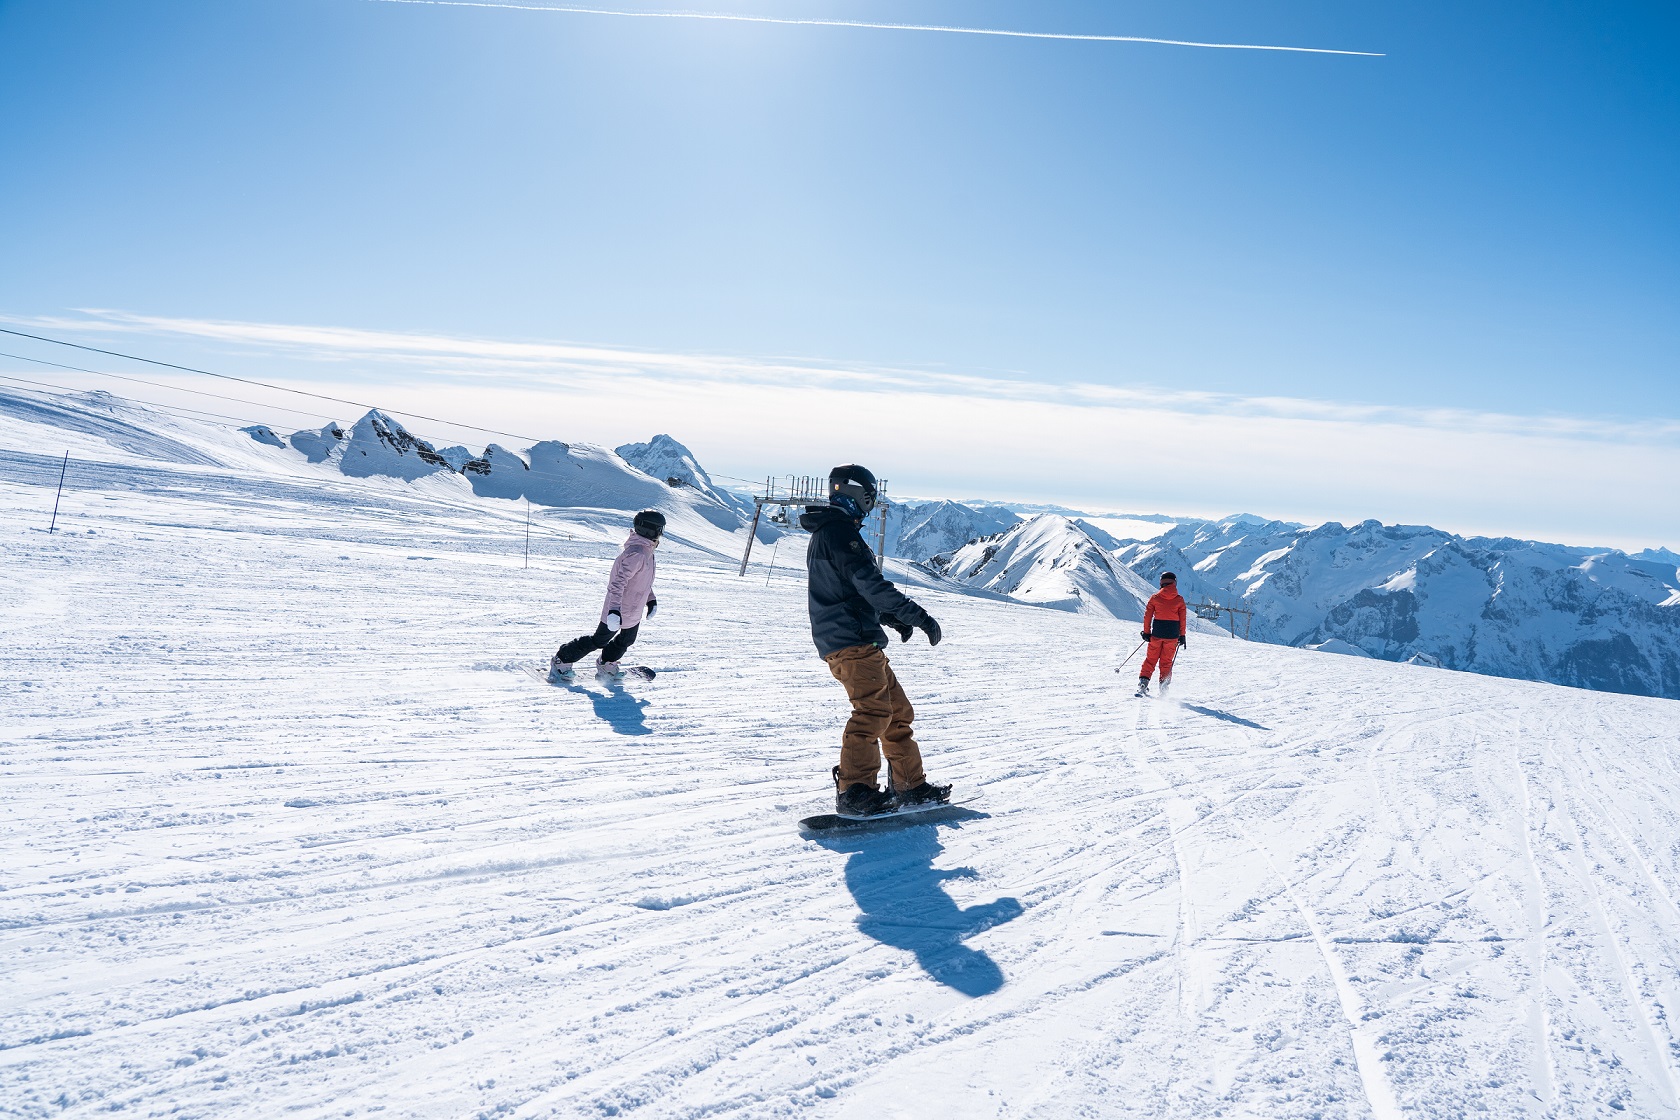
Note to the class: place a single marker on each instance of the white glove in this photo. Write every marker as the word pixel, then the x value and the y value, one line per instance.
pixel 614 621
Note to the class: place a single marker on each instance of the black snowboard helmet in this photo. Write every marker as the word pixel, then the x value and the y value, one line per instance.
pixel 649 523
pixel 1168 577
pixel 852 488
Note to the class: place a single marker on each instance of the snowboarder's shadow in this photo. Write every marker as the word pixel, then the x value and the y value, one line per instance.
pixel 903 903
pixel 621 710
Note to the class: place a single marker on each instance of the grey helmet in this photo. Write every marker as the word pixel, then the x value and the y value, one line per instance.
pixel 853 489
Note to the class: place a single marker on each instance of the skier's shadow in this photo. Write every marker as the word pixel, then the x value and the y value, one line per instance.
pixel 903 903
pixel 621 710
pixel 1226 716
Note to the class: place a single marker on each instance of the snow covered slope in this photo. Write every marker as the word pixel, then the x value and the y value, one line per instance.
pixel 587 490
pixel 1051 562
pixel 104 425
pixel 290 831
pixel 1591 618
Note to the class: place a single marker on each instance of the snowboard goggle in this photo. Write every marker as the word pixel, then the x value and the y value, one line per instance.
pixel 863 496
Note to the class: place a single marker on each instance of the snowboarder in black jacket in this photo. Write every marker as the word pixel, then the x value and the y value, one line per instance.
pixel 850 602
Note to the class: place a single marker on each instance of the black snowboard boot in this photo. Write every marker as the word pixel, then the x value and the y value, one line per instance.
pixel 923 794
pixel 860 800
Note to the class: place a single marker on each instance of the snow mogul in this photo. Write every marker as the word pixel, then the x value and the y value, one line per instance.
pixel 1165 621
pixel 629 594
pixel 850 602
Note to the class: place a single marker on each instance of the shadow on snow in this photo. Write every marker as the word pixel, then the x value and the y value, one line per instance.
pixel 1226 716
pixel 902 902
pixel 617 707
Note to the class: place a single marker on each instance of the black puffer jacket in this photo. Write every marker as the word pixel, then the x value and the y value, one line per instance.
pixel 848 594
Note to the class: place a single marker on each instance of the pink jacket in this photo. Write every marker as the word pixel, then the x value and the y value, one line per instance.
pixel 631 584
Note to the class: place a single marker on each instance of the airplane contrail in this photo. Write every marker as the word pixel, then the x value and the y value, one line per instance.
pixel 728 18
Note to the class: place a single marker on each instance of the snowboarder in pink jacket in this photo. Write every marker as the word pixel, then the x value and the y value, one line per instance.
pixel 629 594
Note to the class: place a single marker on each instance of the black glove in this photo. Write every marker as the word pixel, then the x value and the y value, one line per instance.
pixel 902 629
pixel 615 622
pixel 931 629
pixel 1144 634
pixel 1183 642
pixel 653 605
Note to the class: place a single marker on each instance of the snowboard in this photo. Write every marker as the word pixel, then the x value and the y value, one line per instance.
pixel 631 672
pixel 834 822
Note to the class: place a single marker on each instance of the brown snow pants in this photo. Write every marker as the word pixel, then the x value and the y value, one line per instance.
pixel 880 722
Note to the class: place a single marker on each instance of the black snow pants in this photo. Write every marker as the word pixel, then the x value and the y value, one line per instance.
pixel 612 646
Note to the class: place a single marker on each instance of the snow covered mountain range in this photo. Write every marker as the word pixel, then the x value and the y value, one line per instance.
pixel 1051 561
pixel 664 458
pixel 1593 618
pixel 919 530
pixel 658 474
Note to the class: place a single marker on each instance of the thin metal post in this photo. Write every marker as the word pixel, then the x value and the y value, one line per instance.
pixel 53 528
pixel 881 530
pixel 527 533
pixel 752 535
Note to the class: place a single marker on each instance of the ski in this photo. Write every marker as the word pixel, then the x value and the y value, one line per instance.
pixel 831 822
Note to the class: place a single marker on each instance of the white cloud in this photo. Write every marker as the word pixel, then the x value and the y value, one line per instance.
pixel 555 363
pixel 1130 447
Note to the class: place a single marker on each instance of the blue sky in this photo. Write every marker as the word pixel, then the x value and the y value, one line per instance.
pixel 1442 285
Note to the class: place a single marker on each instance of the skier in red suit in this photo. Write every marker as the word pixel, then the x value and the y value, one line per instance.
pixel 1165 621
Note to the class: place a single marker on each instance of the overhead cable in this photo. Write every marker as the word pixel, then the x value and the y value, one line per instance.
pixel 163 385
pixel 265 384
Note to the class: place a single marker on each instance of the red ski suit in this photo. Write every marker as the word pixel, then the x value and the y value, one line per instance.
pixel 1165 620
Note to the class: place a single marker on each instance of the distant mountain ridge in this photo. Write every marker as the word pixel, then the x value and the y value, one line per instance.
pixel 1051 561
pixel 549 473
pixel 1592 618
pixel 664 458
pixel 919 530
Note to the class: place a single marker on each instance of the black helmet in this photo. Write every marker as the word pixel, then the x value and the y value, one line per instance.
pixel 1168 577
pixel 650 523
pixel 852 488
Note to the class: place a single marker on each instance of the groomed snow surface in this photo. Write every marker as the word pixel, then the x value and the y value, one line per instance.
pixel 291 830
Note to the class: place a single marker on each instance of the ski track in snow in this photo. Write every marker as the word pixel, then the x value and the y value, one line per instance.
pixel 291 829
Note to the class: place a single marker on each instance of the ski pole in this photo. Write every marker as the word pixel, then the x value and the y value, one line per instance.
pixel 1131 655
